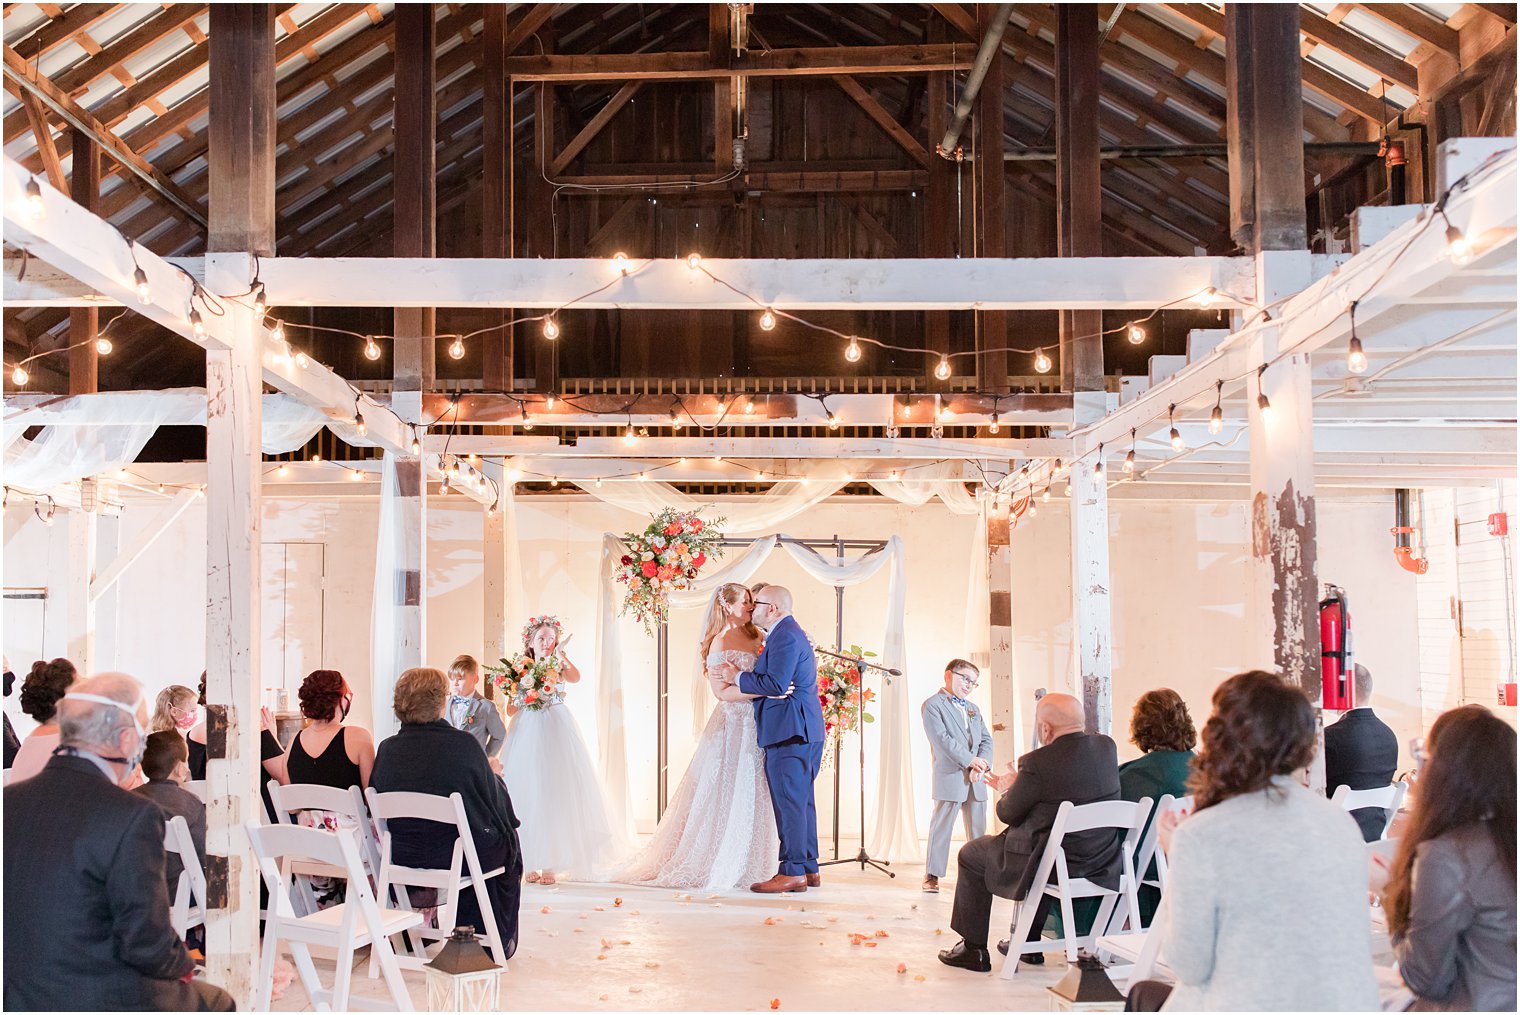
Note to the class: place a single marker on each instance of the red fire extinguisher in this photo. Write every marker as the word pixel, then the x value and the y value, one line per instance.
pixel 1335 649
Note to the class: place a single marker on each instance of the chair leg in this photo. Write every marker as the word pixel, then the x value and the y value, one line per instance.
pixel 488 917
pixel 1023 919
pixel 1108 914
pixel 343 982
pixel 384 956
pixel 308 971
pixel 263 991
pixel 1068 928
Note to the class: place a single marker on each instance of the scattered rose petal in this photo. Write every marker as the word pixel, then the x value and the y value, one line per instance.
pixel 833 919
pixel 606 943
pixel 651 965
pixel 882 933
pixel 635 990
pixel 544 910
pixel 602 998
pixel 617 902
pixel 937 932
pixel 771 921
pixel 688 897
pixel 633 912
pixel 583 916
pixel 580 930
pixel 775 1003
pixel 870 944
pixel 919 978
pixel 601 958
pixel 625 941
pixel 601 909
pixel 902 967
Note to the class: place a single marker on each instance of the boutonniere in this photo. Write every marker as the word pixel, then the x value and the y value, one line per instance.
pixel 469 720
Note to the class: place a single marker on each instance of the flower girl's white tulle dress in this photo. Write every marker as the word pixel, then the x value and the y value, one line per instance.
pixel 719 832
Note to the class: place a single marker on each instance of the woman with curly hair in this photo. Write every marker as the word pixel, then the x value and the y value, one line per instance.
pixel 40 692
pixel 1162 728
pixel 1450 895
pixel 328 752
pixel 1266 907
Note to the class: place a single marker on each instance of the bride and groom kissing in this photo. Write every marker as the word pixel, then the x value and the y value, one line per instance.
pixel 747 796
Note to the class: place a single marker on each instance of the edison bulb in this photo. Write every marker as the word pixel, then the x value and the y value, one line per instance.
pixel 19 376
pixel 34 206
pixel 456 349
pixel 620 262
pixel 693 261
pixel 371 349
pixel 551 329
pixel 1135 334
pixel 1042 362
pixel 768 320
pixel 1216 420
pixel 942 371
pixel 140 281
pixel 852 351
pixel 197 326
pixel 1177 443
pixel 103 345
pixel 1356 359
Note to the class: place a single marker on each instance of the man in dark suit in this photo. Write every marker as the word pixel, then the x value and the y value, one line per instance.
pixel 1071 765
pixel 86 908
pixel 1363 753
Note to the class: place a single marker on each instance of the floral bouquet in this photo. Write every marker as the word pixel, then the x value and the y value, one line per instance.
pixel 841 694
pixel 666 557
pixel 528 683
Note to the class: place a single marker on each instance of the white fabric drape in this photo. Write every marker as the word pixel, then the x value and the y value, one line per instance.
pixel 382 641
pixel 894 834
pixel 977 636
pixel 781 503
pixel 941 480
pixel 611 712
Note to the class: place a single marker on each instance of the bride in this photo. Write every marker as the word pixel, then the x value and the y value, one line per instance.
pixel 719 832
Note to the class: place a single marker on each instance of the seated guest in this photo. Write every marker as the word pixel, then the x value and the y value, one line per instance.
pixel 1450 895
pixel 174 710
pixel 86 913
pixel 12 742
pixel 1162 728
pixel 1363 753
pixel 961 748
pixel 40 693
pixel 271 754
pixel 1266 905
pixel 1071 765
pixel 163 764
pixel 328 752
pixel 470 712
pixel 428 755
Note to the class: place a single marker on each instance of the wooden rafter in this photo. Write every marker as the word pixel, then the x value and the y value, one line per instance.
pixel 47 150
pixel 913 59
pixel 594 127
pixel 1356 48
pixel 883 119
pixel 1416 23
pixel 62 28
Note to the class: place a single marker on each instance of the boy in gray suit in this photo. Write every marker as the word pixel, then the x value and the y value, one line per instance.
pixel 962 748
pixel 468 711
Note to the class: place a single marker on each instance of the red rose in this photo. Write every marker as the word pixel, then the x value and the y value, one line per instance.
pixel 672 529
pixel 696 525
pixel 699 560
pixel 650 569
pixel 627 560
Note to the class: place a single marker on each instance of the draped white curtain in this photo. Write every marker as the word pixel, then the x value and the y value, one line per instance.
pixel 765 513
pixel 611 711
pixel 942 480
pixel 382 641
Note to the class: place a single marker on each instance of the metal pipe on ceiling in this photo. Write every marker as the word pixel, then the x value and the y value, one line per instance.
pixel 1047 153
pixel 992 44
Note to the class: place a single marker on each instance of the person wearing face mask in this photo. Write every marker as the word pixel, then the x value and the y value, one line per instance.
pixel 328 752
pixel 174 710
pixel 87 911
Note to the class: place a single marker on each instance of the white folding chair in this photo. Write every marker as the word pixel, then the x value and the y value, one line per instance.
pixel 198 787
pixel 352 924
pixel 1388 797
pixel 464 870
pixel 1118 815
pixel 1136 957
pixel 187 909
pixel 348 804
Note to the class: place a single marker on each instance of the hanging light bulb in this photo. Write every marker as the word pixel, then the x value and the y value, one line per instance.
pixel 282 471
pixel 513 476
pixel 598 482
pixel 643 477
pixel 416 445
pixel 359 426
pixel 355 474
pixel 527 422
pixel 1216 420
pixel 768 320
pixel 454 469
pixel 892 475
pixel 277 333
pixel 1208 297
pixel 1032 510
pixel 1042 362
pixel 34 206
pixel 1129 461
pixel 443 487
pixel 852 351
pixel 554 481
pixel 103 345
pixel 197 326
pixel 1356 359
pixel 456 348
pixel 1263 404
pixel 1046 495
pixel 1098 462
pixel 260 301
pixel 1177 442
pixel 1457 247
pixel 550 403
pixel 693 261
pixel 551 328
pixel 749 406
pixel 1135 334
pixel 301 359
pixel 19 376
pixel 140 281
pixel 942 371
pixel 833 421
pixel 371 348
pixel 944 414
pixel 994 426
pixel 317 457
pixel 629 435
pixel 620 262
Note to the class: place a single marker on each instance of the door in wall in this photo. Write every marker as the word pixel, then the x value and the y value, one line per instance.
pixel 294 582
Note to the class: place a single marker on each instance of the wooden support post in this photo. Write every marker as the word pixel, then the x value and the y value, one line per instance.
pixel 1240 133
pixel 1079 197
pixel 415 181
pixel 82 527
pixel 84 322
pixel 1007 731
pixel 1092 619
pixel 242 224
pixel 940 226
pixel 541 238
pixel 496 184
pixel 720 51
pixel 1281 223
pixel 993 330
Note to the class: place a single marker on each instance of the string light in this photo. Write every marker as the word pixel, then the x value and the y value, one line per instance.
pixel 19 376
pixel 513 476
pixel 1097 463
pixel 317 458
pixel 942 371
pixel 1135 334
pixel 140 281
pixel 359 426
pixel 620 262
pixel 197 326
pixel 355 475
pixel 554 481
pixel 1263 404
pixel 629 435
pixel 260 301
pixel 1216 418
pixel 551 328
pixel 1458 249
pixel 527 421
pixel 1042 362
pixel 1031 511
pixel 550 403
pixel 694 260
pixel 994 426
pixel 301 359
pixel 282 470
pixel 1176 435
pixel 103 345
pixel 456 348
pixel 1129 459
pixel 643 477
pixel 1356 359
pixel 768 320
pixel 371 348
pixel 34 206
pixel 416 444
pixel 852 351
pixel 1208 297
pixel 443 487
pixel 833 420
pixel 1046 495
pixel 277 333
pixel 598 482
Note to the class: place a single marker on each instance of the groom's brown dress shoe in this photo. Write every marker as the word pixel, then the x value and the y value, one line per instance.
pixel 814 880
pixel 780 883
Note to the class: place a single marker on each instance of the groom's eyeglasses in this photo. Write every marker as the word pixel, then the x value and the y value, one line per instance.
pixel 761 602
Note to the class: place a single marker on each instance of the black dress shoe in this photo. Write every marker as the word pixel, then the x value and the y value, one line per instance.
pixel 975 959
pixel 1032 959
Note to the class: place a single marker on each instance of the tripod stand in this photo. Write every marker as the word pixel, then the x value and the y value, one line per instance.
pixel 863 858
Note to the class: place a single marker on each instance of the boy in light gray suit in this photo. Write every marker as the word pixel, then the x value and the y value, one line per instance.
pixel 468 711
pixel 962 748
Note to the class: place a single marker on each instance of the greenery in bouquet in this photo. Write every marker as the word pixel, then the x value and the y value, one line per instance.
pixel 840 691
pixel 666 557
pixel 528 683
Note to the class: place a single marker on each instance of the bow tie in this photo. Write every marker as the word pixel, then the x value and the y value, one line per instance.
pixel 962 702
pixel 455 699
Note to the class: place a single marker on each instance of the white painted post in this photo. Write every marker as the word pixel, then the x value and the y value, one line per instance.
pixel 408 589
pixel 1284 593
pixel 234 463
pixel 495 550
pixel 1092 621
pixel 82 528
pixel 1007 733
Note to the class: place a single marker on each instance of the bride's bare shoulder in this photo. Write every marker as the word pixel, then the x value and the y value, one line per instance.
pixel 734 639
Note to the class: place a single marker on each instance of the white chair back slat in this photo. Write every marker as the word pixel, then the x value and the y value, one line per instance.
pixel 197 787
pixel 187 908
pixel 1388 798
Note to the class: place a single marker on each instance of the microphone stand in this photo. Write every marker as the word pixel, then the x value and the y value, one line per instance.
pixel 863 858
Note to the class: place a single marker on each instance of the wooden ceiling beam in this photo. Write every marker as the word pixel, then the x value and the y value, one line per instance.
pixel 1359 49
pixel 915 59
pixel 1417 24
pixel 1504 12
pixel 47 150
pixel 594 127
pixel 62 28
pixel 883 119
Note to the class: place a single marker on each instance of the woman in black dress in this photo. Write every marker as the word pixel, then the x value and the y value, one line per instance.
pixel 328 752
pixel 430 756
pixel 271 754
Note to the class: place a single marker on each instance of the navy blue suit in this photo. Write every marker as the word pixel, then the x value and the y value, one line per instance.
pixel 790 728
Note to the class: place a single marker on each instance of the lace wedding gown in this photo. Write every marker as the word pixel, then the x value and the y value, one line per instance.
pixel 719 832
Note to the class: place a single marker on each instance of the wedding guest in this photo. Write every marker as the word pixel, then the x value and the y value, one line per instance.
pixel 1261 853
pixel 174 710
pixel 470 712
pixel 12 743
pixel 1361 752
pixel 271 754
pixel 1071 765
pixel 1450 896
pixel 86 912
pixel 961 747
pixel 429 756
pixel 164 765
pixel 1161 727
pixel 44 686
pixel 328 752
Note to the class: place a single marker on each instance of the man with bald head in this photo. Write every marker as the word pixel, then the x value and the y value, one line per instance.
pixel 1069 765
pixel 86 906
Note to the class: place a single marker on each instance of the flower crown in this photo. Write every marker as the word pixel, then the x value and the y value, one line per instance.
pixel 536 622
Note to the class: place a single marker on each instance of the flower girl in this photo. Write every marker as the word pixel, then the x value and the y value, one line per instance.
pixel 555 790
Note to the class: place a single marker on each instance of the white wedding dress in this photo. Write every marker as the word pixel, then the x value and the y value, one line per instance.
pixel 719 832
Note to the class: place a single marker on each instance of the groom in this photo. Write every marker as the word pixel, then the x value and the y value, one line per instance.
pixel 790 728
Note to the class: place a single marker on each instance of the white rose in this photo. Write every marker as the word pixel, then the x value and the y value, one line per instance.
pixel 646 555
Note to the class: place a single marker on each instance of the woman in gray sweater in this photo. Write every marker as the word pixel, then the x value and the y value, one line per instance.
pixel 1450 896
pixel 1266 908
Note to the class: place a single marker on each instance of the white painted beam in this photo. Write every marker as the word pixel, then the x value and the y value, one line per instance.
pixel 32 282
pixel 751 447
pixel 82 544
pixel 1139 283
pixel 145 538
